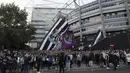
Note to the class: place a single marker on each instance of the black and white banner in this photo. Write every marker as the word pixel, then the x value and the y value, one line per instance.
pixel 99 35
pixel 58 27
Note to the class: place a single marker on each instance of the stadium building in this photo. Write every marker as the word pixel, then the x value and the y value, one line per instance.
pixel 110 17
pixel 43 19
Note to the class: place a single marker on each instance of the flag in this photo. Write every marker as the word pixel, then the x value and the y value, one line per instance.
pixel 68 39
pixel 66 44
pixel 51 43
pixel 46 42
pixel 52 40
pixel 98 37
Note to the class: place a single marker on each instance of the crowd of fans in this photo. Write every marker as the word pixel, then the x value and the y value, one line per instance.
pixel 19 61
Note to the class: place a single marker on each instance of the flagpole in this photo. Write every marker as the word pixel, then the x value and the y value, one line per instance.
pixel 80 23
pixel 102 19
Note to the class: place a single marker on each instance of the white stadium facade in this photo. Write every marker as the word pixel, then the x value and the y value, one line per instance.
pixel 111 17
pixel 42 20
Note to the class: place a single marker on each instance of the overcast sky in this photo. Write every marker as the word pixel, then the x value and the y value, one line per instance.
pixel 30 3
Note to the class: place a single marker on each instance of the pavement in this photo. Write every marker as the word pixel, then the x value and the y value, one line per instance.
pixel 120 70
pixel 84 69
pixel 75 68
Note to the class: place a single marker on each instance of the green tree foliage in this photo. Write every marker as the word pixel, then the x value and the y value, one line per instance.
pixel 15 32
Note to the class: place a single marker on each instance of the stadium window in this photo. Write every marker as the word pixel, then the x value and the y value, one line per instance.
pixel 83 29
pixel 125 14
pixel 106 0
pixel 106 5
pixel 93 4
pixel 103 6
pixel 114 4
pixel 120 15
pixel 82 22
pixel 107 16
pixel 110 5
pixel 86 20
pixel 77 31
pixel 107 25
pixel 89 6
pixel 121 3
pixel 102 1
pixel 96 3
pixel 120 24
pixel 124 23
pixel 90 10
pixel 113 15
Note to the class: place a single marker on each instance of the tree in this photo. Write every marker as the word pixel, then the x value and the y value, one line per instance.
pixel 15 32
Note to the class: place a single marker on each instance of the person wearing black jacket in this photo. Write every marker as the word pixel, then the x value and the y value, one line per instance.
pixel 38 61
pixel 26 64
pixel 61 62
pixel 114 61
pixel 0 63
pixel 86 59
pixel 91 60
pixel 3 66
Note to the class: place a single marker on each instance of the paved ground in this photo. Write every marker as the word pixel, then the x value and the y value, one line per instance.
pixel 121 70
pixel 84 69
pixel 75 68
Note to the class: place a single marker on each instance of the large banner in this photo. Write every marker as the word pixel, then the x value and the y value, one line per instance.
pixel 68 40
